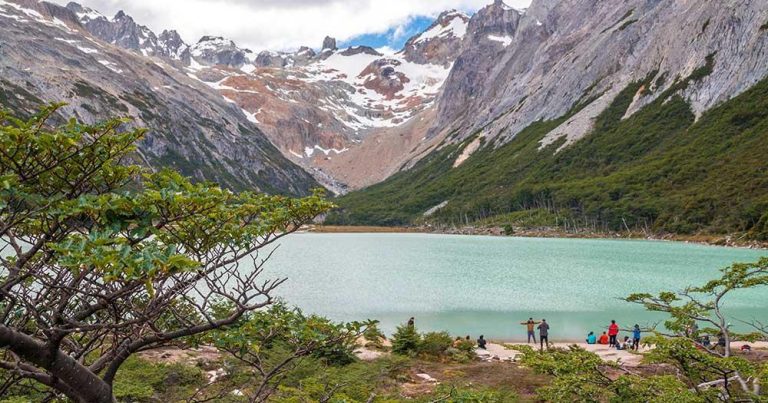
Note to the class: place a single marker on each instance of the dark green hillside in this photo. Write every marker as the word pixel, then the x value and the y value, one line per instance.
pixel 659 170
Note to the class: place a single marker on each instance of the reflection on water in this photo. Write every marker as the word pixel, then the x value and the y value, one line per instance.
pixel 473 285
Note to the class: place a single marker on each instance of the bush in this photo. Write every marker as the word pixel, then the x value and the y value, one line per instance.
pixel 406 340
pixel 509 229
pixel 139 380
pixel 374 337
pixel 435 343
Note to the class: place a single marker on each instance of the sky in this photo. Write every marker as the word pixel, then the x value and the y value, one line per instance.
pixel 288 24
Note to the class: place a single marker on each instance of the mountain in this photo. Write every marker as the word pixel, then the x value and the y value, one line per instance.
pixel 648 115
pixel 330 110
pixel 635 114
pixel 114 67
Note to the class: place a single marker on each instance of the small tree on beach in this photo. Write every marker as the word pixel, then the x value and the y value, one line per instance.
pixel 700 373
pixel 101 260
pixel 704 304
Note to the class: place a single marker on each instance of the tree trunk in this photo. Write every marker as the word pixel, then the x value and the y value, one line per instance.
pixel 71 378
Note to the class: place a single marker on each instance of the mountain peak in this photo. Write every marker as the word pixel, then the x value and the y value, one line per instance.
pixel 440 42
pixel 329 43
pixel 121 15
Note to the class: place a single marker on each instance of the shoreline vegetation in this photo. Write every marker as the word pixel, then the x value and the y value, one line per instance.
pixel 729 240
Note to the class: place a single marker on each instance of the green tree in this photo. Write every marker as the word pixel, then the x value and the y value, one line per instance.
pixel 274 342
pixel 102 259
pixel 406 340
pixel 704 304
pixel 702 374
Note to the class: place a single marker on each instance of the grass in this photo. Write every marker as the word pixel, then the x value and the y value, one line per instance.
pixel 660 170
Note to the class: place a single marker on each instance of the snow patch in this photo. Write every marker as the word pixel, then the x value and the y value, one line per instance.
pixel 251 117
pixel 110 65
pixel 434 210
pixel 456 28
pixel 468 150
pixel 309 151
pixel 504 40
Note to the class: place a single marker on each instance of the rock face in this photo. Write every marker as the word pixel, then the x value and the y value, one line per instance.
pixel 219 51
pixel 173 47
pixel 329 43
pixel 517 67
pixel 192 127
pixel 441 42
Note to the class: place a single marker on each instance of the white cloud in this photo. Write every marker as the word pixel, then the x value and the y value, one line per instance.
pixel 281 24
pixel 387 51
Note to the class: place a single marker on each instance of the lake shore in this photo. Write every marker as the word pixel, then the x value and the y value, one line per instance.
pixel 732 241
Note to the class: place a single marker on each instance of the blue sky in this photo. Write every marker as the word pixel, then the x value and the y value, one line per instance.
pixel 288 24
pixel 394 38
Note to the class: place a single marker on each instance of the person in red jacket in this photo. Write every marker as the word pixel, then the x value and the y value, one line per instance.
pixel 603 339
pixel 613 331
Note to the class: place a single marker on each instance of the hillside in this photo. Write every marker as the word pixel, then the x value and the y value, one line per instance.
pixel 600 116
pixel 48 55
pixel 659 169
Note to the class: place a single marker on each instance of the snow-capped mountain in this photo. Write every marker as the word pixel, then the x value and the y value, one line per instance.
pixel 315 106
pixel 441 42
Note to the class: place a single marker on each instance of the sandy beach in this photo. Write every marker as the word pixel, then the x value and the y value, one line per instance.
pixel 626 357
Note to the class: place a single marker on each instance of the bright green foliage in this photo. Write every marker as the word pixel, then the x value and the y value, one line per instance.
pixel 579 375
pixel 142 381
pixel 700 366
pixel 273 342
pixel 103 259
pixel 435 343
pixel 406 340
pixel 349 384
pixel 659 168
pixel 467 394
pixel 703 304
pixel 374 337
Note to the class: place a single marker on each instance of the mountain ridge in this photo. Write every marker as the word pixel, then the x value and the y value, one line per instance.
pixel 191 127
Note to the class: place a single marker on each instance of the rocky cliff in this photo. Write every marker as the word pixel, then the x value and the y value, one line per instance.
pixel 517 67
pixel 630 115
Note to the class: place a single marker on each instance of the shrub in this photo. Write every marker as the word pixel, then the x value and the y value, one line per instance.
pixel 509 229
pixel 435 343
pixel 374 337
pixel 406 340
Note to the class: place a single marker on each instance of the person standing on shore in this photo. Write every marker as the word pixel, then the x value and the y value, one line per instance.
pixel 613 331
pixel 544 333
pixel 531 325
pixel 636 337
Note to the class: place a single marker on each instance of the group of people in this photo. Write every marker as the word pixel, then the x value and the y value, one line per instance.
pixel 611 338
pixel 481 342
pixel 543 327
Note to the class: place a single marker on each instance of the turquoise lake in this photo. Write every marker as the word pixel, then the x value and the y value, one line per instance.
pixel 487 285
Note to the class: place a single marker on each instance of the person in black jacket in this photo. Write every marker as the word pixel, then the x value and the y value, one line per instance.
pixel 544 333
pixel 481 342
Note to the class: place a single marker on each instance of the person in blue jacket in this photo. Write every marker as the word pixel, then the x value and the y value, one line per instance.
pixel 591 338
pixel 636 337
